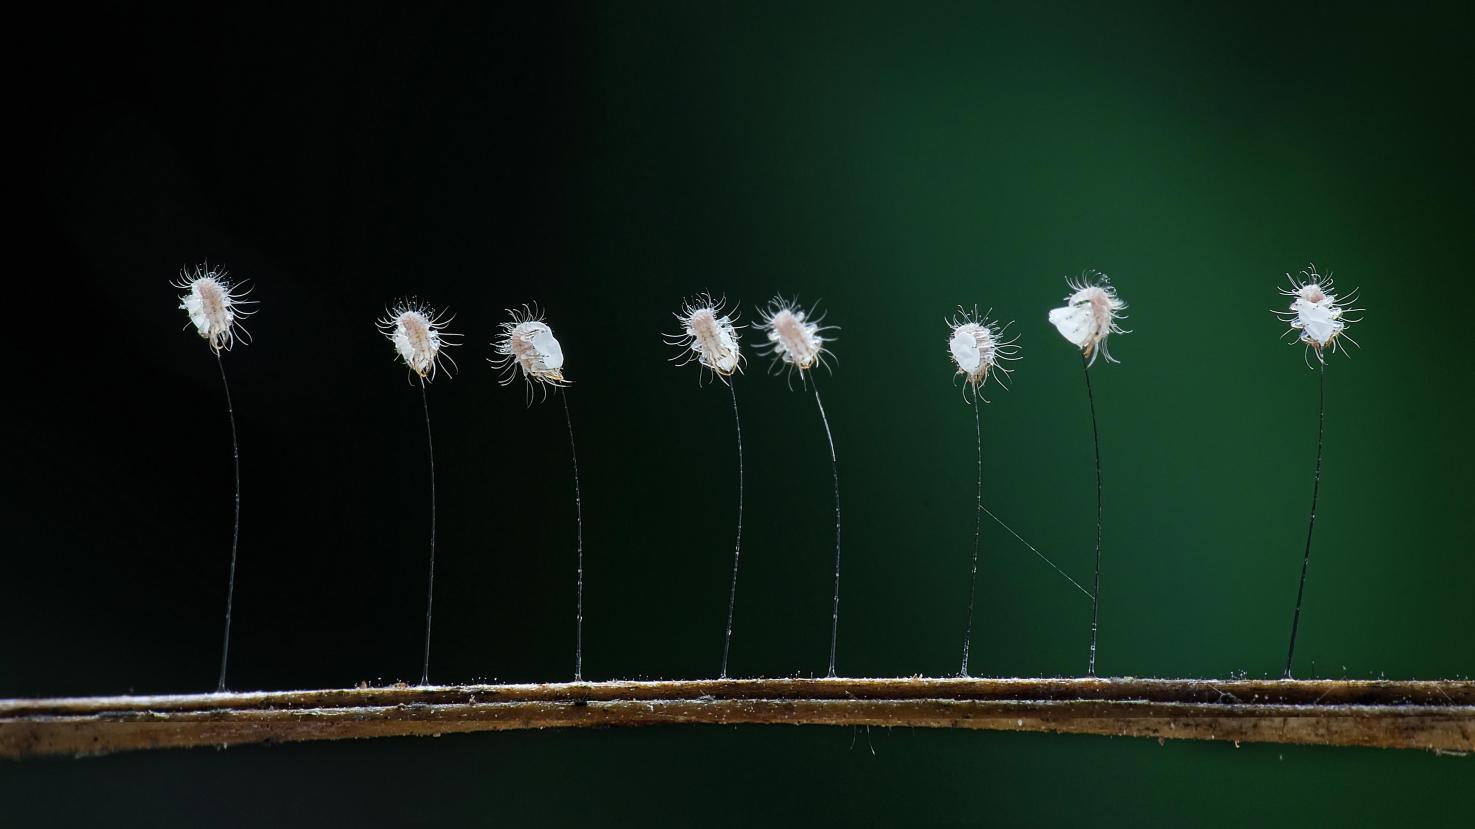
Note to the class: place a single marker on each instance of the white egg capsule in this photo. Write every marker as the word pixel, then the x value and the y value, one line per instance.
pixel 1090 315
pixel 1317 315
pixel 418 334
pixel 708 336
pixel 527 348
pixel 979 350
pixel 794 340
pixel 215 306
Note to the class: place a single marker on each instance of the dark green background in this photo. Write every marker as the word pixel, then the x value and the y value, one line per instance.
pixel 892 161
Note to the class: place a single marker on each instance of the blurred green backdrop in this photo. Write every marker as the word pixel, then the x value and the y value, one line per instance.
pixel 892 161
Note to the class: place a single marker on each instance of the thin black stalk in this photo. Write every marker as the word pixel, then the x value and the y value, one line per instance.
pixel 579 527
pixel 977 528
pixel 235 537
pixel 430 581
pixel 1311 524
pixel 737 547
pixel 1096 587
pixel 835 472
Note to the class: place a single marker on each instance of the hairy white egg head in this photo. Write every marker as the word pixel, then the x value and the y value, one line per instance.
pixel 214 305
pixel 1317 315
pixel 709 336
pixel 419 336
pixel 979 350
pixel 527 349
pixel 796 339
pixel 1091 314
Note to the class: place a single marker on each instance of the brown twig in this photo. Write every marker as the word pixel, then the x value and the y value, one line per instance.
pixel 1432 715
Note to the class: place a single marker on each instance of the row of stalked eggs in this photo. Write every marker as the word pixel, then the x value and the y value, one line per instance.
pixel 526 346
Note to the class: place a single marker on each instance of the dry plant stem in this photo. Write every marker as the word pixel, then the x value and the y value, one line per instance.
pixel 1311 524
pixel 737 547
pixel 977 528
pixel 430 582
pixel 235 536
pixel 1430 715
pixel 579 539
pixel 835 472
pixel 1096 587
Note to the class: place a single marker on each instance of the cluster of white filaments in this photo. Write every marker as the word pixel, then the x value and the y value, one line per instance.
pixel 794 340
pixel 419 336
pixel 1090 314
pixel 978 349
pixel 708 336
pixel 527 348
pixel 1317 313
pixel 215 306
